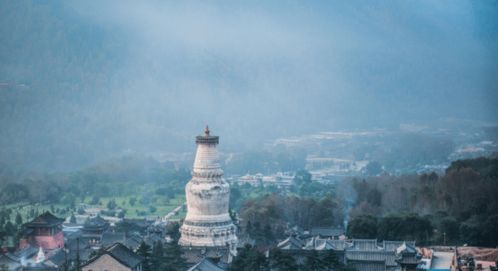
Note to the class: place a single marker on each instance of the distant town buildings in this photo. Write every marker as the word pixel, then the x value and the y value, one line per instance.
pixel 281 180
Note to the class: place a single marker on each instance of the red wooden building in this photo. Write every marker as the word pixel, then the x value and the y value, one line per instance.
pixel 44 231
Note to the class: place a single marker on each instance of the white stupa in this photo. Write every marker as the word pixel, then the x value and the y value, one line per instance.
pixel 40 257
pixel 207 223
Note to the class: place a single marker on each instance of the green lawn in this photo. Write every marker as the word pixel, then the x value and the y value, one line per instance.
pixel 138 210
pixel 162 204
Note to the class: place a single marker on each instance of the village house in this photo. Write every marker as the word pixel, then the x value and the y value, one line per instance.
pixel 116 257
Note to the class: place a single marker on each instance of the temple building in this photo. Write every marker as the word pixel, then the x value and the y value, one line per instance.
pixel 208 224
pixel 44 231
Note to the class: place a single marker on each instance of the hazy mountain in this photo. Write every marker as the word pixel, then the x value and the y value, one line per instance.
pixel 81 81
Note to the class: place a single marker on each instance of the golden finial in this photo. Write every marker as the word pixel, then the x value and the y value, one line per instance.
pixel 206 131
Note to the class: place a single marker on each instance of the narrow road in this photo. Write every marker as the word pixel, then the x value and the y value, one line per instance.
pixel 172 213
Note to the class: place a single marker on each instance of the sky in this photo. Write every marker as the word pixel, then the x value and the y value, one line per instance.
pixel 83 80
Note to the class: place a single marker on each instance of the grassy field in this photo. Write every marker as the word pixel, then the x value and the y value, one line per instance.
pixel 162 205
pixel 155 206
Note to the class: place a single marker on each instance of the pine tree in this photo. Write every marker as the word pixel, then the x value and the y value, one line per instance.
pixel 18 219
pixel 2 218
pixel 249 228
pixel 330 259
pixel 145 251
pixel 249 259
pixel 9 228
pixel 157 255
pixel 173 259
pixel 268 233
pixel 282 261
pixel 72 219
pixel 314 263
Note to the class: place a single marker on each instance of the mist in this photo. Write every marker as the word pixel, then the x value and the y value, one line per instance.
pixel 82 81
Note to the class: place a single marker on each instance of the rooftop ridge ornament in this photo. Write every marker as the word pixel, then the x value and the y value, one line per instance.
pixel 206 131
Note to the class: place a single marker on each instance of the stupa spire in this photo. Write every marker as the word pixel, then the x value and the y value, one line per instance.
pixel 41 256
pixel 207 223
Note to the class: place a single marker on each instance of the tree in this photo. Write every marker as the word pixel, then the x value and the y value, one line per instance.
pixel 314 263
pixel 249 259
pixel 81 211
pixel 172 259
pixel 406 227
pixel 249 228
pixel 18 219
pixel 374 197
pixel 173 230
pixel 9 228
pixel 144 250
pixel 157 255
pixel 282 261
pixel 31 213
pixel 152 209
pixel 330 259
pixel 268 233
pixel 363 227
pixel 2 218
pixel 121 214
pixel 111 205
pixel 132 201
pixel 448 229
pixel 489 231
pixel 72 219
pixel 95 200
pixel 302 177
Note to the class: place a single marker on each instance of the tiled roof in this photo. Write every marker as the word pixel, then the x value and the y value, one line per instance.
pixel 134 241
pixel 369 266
pixel 376 256
pixel 109 238
pixel 340 244
pixel 39 267
pixel 45 219
pixel 26 252
pixel 205 265
pixel 57 257
pixel 194 255
pixel 121 254
pixel 406 249
pixel 10 261
pixel 124 254
pixel 393 245
pixel 291 243
pixel 364 245
pixel 316 243
pixel 409 260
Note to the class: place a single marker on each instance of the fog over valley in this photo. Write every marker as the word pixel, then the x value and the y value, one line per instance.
pixel 85 81
pixel 344 135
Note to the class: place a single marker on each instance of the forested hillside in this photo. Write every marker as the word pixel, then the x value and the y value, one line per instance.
pixel 458 207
